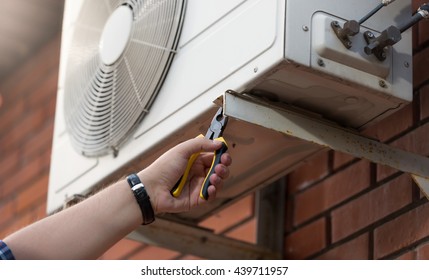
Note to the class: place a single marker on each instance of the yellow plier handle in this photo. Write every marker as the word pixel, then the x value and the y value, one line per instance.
pixel 177 189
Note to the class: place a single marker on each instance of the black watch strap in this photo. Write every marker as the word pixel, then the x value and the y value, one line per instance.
pixel 142 198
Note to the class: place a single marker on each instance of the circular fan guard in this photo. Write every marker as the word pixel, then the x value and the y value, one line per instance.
pixel 106 98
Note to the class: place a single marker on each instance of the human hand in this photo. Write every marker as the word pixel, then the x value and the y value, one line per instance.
pixel 160 177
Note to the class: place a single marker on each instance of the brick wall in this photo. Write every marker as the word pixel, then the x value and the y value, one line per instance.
pixel 26 126
pixel 340 207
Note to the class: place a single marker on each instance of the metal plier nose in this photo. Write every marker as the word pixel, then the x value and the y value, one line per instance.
pixel 217 126
pixel 214 132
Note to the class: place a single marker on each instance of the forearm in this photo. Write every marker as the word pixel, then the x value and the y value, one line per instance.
pixel 88 229
pixel 84 231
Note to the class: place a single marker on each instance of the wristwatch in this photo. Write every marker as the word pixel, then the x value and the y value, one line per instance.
pixel 142 198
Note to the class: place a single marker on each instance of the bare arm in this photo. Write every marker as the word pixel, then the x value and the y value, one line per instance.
pixel 88 229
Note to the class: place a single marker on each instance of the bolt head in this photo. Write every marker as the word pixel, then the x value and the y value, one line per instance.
pixel 382 84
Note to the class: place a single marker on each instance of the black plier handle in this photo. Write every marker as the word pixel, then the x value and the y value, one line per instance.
pixel 214 132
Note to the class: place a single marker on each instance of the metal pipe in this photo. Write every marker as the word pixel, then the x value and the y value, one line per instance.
pixel 422 12
pixel 375 10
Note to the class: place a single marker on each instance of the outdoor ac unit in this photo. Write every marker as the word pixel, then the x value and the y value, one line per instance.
pixel 280 50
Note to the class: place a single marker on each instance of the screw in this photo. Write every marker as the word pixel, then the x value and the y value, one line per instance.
pixel 305 28
pixel 255 69
pixel 320 62
pixel 406 64
pixel 335 23
pixel 370 35
pixel 382 84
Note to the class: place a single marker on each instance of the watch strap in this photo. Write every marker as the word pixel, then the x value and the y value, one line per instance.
pixel 142 198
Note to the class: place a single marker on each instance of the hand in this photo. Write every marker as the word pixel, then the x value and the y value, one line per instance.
pixel 160 177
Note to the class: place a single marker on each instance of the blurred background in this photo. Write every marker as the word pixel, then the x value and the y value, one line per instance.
pixel 25 27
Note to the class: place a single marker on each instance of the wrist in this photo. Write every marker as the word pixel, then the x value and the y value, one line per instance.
pixel 142 198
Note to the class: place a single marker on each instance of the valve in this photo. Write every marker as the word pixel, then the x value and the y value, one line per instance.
pixel 352 27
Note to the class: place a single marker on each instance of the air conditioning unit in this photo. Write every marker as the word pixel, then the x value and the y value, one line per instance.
pixel 138 77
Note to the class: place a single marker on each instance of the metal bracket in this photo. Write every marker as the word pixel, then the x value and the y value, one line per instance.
pixel 198 241
pixel 272 116
pixel 271 215
pixel 350 28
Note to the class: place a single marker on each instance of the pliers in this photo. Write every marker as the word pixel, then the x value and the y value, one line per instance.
pixel 214 132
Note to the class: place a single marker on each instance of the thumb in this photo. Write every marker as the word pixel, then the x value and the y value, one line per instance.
pixel 199 144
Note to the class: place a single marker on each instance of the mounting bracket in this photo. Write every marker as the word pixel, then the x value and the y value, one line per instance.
pixel 285 120
pixel 198 241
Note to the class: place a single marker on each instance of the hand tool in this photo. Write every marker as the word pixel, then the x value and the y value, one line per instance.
pixel 214 132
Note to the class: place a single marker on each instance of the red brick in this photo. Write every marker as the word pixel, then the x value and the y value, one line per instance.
pixel 46 90
pixel 422 26
pixel 341 159
pixel 190 257
pixel 371 207
pixel 306 241
pixel 313 169
pixel 332 191
pixel 410 255
pixel 423 32
pixel 40 211
pixel 32 72
pixel 7 212
pixel 245 232
pixel 413 142
pixel 424 102
pixel 231 215
pixel 32 194
pixel 423 252
pixel 40 142
pixel 384 171
pixel 154 253
pixel 420 62
pixel 8 164
pixel 417 3
pixel 121 249
pixel 356 249
pixel 22 130
pixel 391 125
pixel 10 114
pixel 402 231
pixel 18 223
pixel 21 178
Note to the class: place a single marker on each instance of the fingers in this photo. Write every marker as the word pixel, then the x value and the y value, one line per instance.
pixel 212 192
pixel 216 180
pixel 222 171
pixel 226 159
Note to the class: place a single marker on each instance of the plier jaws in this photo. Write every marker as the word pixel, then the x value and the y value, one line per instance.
pixel 217 126
pixel 214 132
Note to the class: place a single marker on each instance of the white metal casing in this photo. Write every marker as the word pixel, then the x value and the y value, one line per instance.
pixel 282 50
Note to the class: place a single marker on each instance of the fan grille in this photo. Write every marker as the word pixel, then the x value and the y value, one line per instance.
pixel 104 103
